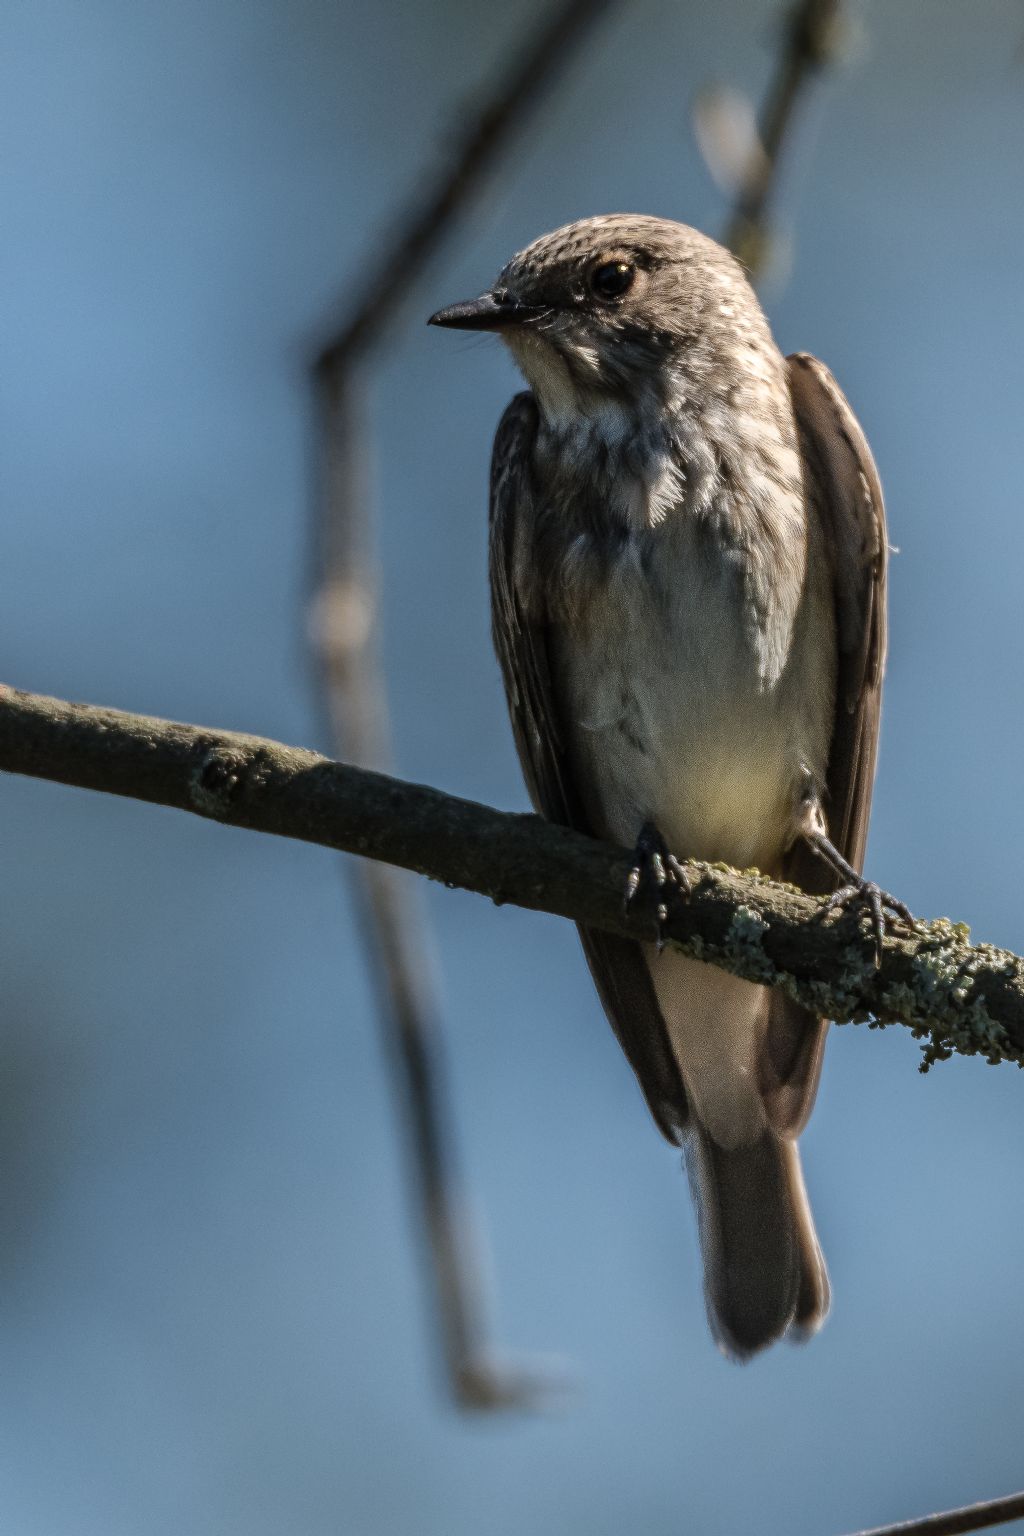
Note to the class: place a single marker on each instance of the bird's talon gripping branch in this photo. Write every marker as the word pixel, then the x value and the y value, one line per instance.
pixel 884 909
pixel 658 874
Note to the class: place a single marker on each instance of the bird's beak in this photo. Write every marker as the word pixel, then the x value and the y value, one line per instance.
pixel 485 314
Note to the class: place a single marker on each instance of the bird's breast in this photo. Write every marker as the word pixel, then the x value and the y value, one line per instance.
pixel 672 713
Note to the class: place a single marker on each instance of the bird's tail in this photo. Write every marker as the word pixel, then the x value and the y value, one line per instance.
pixel 764 1275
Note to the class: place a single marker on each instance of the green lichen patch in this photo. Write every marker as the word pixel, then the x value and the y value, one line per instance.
pixel 846 998
pixel 941 1002
pixel 744 942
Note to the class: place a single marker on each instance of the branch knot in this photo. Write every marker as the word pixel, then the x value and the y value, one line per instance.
pixel 218 782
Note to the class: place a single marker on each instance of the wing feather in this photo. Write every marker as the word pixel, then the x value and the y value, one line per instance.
pixel 520 630
pixel 847 497
pixel 845 494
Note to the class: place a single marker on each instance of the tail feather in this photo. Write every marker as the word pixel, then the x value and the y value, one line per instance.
pixel 814 1295
pixel 763 1270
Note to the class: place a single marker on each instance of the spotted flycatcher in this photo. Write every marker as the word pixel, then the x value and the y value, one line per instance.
pixel 688 563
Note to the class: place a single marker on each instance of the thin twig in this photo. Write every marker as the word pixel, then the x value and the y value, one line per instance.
pixel 810 42
pixel 953 995
pixel 344 634
pixel 954 1522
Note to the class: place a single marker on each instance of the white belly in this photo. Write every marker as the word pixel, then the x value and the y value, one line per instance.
pixel 670 720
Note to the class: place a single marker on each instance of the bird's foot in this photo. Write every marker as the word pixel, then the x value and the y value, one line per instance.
pixel 656 875
pixel 884 910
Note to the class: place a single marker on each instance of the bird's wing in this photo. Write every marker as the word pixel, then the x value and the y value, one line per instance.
pixel 844 493
pixel 847 496
pixel 521 641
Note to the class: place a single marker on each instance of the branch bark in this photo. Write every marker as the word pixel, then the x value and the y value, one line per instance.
pixel 953 995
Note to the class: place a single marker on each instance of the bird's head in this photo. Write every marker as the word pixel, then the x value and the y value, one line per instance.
pixel 610 310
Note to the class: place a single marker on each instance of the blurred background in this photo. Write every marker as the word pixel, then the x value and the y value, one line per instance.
pixel 214 1309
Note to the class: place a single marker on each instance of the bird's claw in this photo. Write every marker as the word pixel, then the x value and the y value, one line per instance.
pixel 658 874
pixel 884 910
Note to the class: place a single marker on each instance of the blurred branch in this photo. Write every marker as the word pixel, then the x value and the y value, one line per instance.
pixel 343 625
pixel 955 1522
pixel 951 994
pixel 811 40
pixel 429 220
pixel 343 629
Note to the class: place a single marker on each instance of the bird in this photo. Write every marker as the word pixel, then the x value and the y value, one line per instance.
pixel 687 557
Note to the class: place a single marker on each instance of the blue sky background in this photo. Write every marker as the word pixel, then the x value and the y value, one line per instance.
pixel 213 1315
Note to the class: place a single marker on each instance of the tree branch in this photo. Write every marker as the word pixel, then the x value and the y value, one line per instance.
pixel 954 996
pixel 956 1522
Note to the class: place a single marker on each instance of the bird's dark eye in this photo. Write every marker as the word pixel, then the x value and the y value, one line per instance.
pixel 611 279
